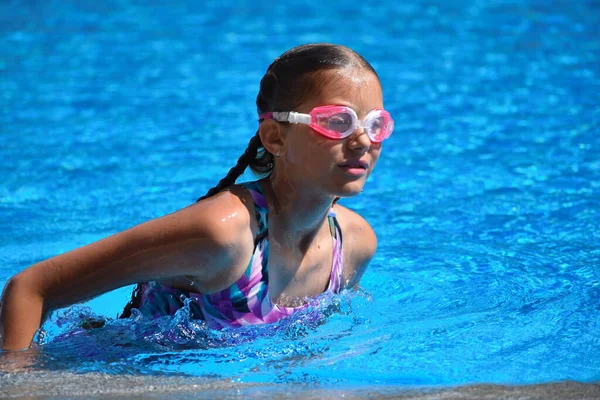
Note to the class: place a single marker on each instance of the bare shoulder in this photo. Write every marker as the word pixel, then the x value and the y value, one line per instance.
pixel 227 220
pixel 358 234
pixel 359 243
pixel 224 217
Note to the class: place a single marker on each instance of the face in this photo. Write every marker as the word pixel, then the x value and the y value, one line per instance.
pixel 337 167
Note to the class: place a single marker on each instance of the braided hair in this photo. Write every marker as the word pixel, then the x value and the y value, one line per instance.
pixel 289 80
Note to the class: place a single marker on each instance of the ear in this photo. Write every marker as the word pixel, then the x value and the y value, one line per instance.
pixel 272 136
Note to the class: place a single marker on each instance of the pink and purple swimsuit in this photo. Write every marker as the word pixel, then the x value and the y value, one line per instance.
pixel 247 301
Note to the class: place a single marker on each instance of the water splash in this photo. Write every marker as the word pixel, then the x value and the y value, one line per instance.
pixel 77 339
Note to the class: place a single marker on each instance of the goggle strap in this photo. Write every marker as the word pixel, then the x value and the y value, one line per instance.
pixel 292 117
pixel 280 116
pixel 299 118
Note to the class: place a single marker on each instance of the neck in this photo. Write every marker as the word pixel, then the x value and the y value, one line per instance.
pixel 296 214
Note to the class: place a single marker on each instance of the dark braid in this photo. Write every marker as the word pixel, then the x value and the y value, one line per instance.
pixel 238 169
pixel 289 80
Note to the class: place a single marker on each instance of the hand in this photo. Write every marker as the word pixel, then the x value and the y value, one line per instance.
pixel 19 360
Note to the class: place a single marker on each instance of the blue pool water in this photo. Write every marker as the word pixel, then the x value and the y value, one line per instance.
pixel 486 200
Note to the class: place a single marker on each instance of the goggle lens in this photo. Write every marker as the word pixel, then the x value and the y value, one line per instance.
pixel 338 122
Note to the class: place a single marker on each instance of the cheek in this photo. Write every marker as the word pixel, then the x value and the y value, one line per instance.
pixel 308 148
pixel 294 146
pixel 375 152
pixel 297 153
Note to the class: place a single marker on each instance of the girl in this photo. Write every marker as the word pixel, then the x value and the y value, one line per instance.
pixel 248 253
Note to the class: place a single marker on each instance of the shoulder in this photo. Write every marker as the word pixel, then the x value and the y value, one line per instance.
pixel 359 243
pixel 210 237
pixel 357 233
pixel 223 215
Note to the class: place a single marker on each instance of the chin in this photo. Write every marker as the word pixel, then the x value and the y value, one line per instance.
pixel 349 189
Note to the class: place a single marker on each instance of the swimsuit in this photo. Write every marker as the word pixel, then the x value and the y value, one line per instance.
pixel 245 302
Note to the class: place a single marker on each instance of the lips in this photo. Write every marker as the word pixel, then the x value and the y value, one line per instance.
pixel 355 164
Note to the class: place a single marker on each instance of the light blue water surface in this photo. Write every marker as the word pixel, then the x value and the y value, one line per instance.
pixel 485 200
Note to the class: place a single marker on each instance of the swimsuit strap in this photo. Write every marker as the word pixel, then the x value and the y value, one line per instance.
pixel 334 227
pixel 260 209
pixel 337 269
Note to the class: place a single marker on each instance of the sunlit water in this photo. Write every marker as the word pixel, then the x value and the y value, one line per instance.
pixel 486 200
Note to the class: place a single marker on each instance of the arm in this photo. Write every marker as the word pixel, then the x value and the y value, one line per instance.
pixel 200 240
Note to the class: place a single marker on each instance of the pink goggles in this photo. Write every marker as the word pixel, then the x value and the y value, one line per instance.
pixel 338 122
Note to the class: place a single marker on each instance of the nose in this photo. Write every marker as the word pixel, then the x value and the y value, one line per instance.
pixel 359 139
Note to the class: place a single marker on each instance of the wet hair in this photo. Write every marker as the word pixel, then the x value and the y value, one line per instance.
pixel 293 77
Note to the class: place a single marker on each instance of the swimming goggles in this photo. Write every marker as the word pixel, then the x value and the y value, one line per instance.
pixel 338 122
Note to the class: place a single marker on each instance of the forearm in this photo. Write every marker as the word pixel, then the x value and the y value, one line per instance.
pixel 21 314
